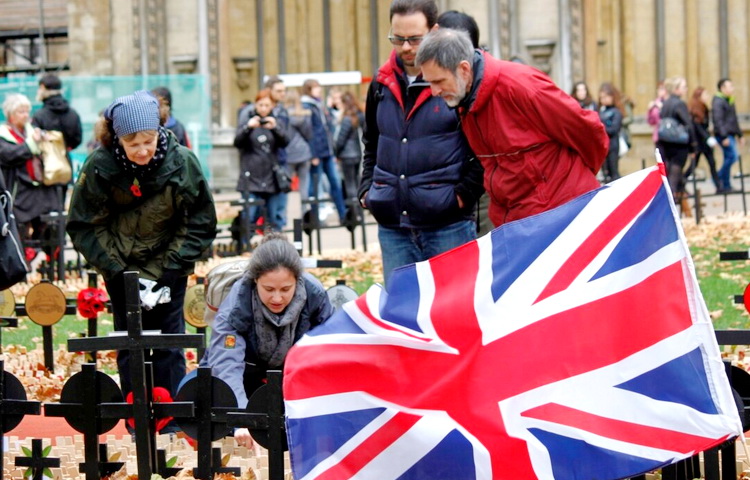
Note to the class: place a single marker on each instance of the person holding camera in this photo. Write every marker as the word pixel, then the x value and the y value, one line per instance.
pixel 259 141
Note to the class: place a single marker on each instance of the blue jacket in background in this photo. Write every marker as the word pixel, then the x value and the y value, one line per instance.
pixel 321 143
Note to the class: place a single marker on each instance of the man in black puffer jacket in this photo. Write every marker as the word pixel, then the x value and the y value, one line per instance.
pixel 420 179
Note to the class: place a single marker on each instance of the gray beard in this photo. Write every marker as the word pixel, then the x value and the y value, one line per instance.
pixel 461 93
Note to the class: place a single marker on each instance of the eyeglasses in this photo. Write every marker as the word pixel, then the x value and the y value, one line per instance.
pixel 398 40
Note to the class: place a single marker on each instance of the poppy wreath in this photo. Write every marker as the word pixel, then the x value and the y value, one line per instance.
pixel 158 395
pixel 91 301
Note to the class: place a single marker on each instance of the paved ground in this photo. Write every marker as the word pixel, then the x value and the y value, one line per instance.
pixel 717 205
pixel 334 237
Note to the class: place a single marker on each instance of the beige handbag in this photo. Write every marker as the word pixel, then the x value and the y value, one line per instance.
pixel 56 166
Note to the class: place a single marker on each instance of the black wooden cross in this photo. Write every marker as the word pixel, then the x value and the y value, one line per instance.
pixel 266 423
pixel 105 466
pixel 245 225
pixel 143 410
pixel 91 330
pixel 213 400
pixel 56 245
pixel 161 462
pixel 216 460
pixel 13 405
pixel 37 461
pixel 80 405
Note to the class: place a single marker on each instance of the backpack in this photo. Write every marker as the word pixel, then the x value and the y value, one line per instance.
pixel 219 282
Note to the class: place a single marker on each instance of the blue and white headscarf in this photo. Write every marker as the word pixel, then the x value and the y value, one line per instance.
pixel 134 113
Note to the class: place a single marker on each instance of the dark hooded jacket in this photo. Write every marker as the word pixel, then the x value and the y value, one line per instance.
pixel 56 114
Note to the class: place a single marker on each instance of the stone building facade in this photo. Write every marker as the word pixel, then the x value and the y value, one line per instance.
pixel 234 43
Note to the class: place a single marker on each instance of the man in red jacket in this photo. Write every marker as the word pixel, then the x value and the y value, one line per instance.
pixel 538 147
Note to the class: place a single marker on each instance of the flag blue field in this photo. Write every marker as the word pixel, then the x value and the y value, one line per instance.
pixel 574 344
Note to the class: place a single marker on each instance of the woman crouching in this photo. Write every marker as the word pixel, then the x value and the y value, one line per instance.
pixel 267 310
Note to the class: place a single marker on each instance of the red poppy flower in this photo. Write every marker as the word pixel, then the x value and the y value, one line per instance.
pixel 158 395
pixel 135 190
pixel 91 301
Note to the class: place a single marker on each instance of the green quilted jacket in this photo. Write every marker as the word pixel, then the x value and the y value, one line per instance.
pixel 167 227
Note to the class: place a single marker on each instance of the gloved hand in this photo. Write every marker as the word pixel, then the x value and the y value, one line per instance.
pixel 167 279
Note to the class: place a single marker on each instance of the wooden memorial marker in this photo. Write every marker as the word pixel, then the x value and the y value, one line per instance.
pixel 7 313
pixel 46 305
pixel 340 294
pixel 38 462
pixel 143 410
pixel 194 311
pixel 13 405
pixel 195 305
pixel 7 304
pixel 264 417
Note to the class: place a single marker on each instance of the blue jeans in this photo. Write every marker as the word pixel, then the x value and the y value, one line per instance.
pixel 302 170
pixel 730 156
pixel 402 246
pixel 328 165
pixel 275 207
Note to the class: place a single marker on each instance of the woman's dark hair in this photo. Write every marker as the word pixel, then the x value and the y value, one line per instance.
pixel 587 100
pixel 351 108
pixel 164 93
pixel 697 108
pixel 610 90
pixel 273 253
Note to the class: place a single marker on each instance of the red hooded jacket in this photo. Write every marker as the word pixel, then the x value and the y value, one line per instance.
pixel 539 148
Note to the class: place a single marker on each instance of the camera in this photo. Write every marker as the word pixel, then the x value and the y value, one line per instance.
pixel 264 121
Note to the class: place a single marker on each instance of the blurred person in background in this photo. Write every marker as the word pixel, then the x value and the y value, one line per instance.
pixel 699 113
pixel 727 130
pixel 321 145
pixel 57 114
pixel 172 124
pixel 581 93
pixel 348 147
pixel 23 172
pixel 259 141
pixel 298 153
pixel 676 154
pixel 611 114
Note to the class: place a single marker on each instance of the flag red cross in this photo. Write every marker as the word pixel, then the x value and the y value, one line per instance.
pixel 476 377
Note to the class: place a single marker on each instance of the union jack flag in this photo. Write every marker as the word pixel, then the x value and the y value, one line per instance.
pixel 574 344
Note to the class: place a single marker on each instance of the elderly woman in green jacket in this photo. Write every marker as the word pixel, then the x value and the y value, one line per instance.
pixel 141 203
